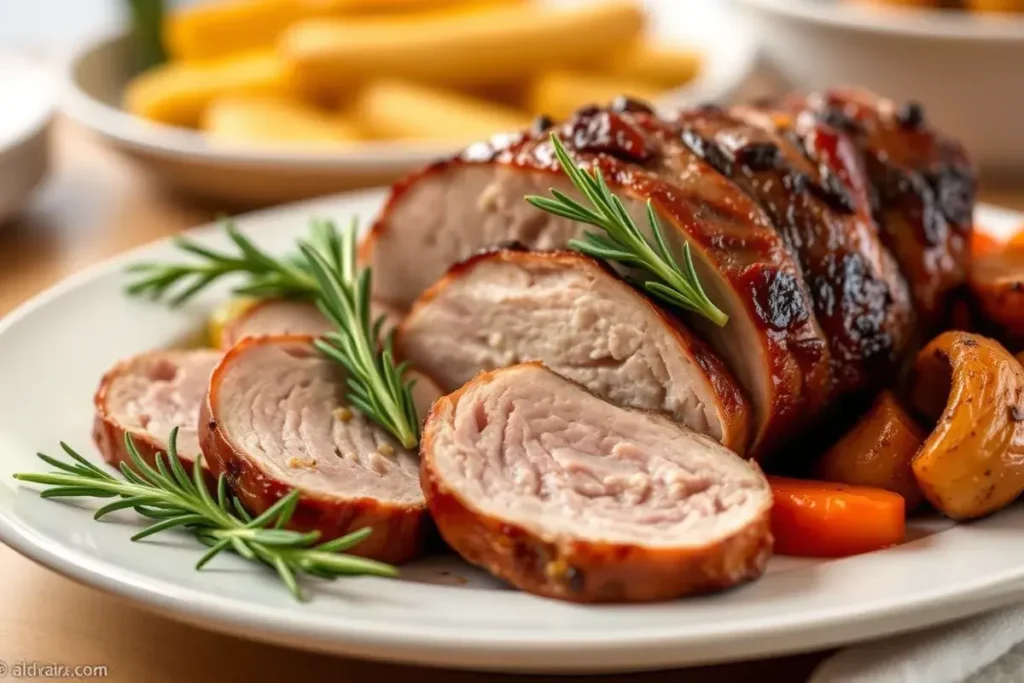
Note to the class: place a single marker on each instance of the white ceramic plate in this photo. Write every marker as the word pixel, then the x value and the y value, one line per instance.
pixel 27 96
pixel 54 349
pixel 959 64
pixel 96 76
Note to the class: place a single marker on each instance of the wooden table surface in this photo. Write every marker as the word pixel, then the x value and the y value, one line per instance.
pixel 94 205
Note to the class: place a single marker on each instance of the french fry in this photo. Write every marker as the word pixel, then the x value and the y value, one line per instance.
pixel 176 93
pixel 560 93
pixel 215 29
pixel 662 65
pixel 274 122
pixel 396 109
pixel 210 30
pixel 500 44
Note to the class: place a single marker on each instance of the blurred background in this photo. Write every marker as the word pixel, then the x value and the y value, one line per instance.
pixel 235 104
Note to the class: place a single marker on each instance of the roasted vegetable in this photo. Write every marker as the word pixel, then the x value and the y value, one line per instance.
pixel 257 121
pixel 177 93
pixel 878 451
pixel 502 44
pixel 997 285
pixel 972 464
pixel 397 109
pixel 830 519
pixel 826 519
pixel 560 93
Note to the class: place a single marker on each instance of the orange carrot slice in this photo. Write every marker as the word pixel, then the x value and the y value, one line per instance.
pixel 825 519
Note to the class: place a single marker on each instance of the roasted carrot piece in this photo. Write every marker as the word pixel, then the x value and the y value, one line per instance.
pixel 983 243
pixel 826 519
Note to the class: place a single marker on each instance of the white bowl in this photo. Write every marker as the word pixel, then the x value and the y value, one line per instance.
pixel 96 76
pixel 965 68
pixel 25 116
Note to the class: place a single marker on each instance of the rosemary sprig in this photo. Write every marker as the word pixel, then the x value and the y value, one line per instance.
pixel 168 495
pixel 323 271
pixel 622 241
pixel 376 385
pixel 266 276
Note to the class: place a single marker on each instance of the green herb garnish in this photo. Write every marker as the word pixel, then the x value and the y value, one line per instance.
pixel 622 241
pixel 170 496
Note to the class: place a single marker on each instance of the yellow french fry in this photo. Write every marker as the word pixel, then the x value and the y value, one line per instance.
pixel 499 44
pixel 396 109
pixel 559 93
pixel 210 30
pixel 662 65
pixel 177 93
pixel 254 121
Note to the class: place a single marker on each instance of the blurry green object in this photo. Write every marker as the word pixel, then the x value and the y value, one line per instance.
pixel 147 18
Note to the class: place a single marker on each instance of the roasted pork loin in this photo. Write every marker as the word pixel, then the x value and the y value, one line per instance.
pixel 780 205
pixel 563 494
pixel 772 344
pixel 149 395
pixel 582 321
pixel 275 419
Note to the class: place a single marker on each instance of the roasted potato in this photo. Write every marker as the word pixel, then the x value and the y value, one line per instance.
pixel 997 284
pixel 972 464
pixel 878 452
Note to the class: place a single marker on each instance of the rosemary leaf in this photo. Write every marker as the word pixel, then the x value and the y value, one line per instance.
pixel 175 500
pixel 623 242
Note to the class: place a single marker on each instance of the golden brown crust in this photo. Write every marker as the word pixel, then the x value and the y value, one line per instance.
pixel 733 409
pixel 575 570
pixel 399 531
pixel 972 464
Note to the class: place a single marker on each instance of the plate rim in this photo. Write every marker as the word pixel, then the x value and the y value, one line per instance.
pixel 504 648
pixel 896 20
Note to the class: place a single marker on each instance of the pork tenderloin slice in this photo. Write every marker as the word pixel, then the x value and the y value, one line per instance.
pixel 924 188
pixel 275 419
pixel 562 494
pixel 147 396
pixel 291 317
pixel 583 322
pixel 451 210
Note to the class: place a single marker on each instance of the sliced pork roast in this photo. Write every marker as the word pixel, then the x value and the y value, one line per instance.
pixel 860 297
pixel 923 186
pixel 149 395
pixel 562 494
pixel 289 316
pixel 772 343
pixel 582 321
pixel 275 419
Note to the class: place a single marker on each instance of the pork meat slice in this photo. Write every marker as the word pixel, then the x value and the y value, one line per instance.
pixel 292 317
pixel 924 188
pixel 816 201
pixel 582 321
pixel 275 419
pixel 149 395
pixel 772 342
pixel 565 495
